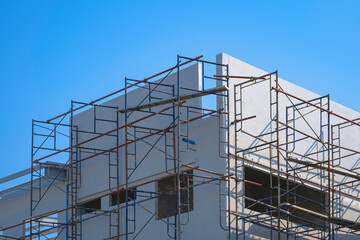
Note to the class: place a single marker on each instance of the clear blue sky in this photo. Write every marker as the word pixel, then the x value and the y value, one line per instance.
pixel 55 51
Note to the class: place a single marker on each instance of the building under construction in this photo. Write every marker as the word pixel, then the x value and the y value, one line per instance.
pixel 202 150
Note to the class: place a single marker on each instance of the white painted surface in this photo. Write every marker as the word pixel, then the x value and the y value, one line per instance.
pixel 204 219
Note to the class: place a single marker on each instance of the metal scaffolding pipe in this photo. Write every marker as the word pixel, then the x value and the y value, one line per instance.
pixel 175 99
pixel 314 105
pixel 316 165
pixel 120 90
pixel 342 222
pixel 104 134
pixel 241 77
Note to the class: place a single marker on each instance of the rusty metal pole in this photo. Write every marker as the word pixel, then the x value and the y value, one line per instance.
pixel 277 152
pixel 178 149
pixel 329 170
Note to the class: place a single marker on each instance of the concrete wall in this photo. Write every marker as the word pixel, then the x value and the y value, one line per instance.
pixel 204 221
pixel 95 171
pixel 16 210
pixel 256 101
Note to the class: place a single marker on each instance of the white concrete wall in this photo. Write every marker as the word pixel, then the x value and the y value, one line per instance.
pixel 205 218
pixel 94 180
pixel 256 101
pixel 17 209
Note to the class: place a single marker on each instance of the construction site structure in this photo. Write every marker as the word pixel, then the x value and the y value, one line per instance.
pixel 202 150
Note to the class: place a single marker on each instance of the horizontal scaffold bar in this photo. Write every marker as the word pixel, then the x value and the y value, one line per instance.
pixel 316 165
pixel 123 89
pixel 175 99
pixel 340 221
pixel 104 134
pixel 241 77
pixel 123 190
pixel 149 135
pixel 314 105
pixel 295 177
pixel 222 175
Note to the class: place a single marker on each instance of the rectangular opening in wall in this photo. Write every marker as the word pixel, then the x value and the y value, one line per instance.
pixel 301 199
pixel 90 207
pixel 120 197
pixel 168 185
pixel 55 171
pixel 47 226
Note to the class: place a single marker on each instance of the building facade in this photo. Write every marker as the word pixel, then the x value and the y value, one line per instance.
pixel 203 150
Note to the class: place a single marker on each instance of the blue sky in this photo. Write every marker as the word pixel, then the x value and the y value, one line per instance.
pixel 55 51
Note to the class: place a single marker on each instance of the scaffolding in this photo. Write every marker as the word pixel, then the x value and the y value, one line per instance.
pixel 311 161
pixel 292 158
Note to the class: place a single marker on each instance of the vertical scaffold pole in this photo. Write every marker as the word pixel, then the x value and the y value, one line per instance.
pixel 32 179
pixel 178 149
pixel 277 153
pixel 331 236
pixel 126 145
